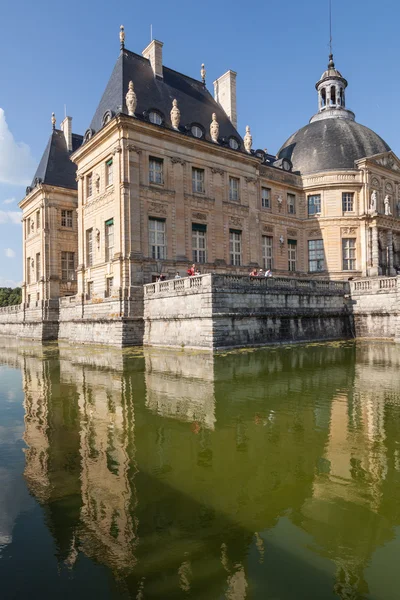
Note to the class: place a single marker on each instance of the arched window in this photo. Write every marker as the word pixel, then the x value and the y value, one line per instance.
pixel 323 96
pixel 155 117
pixel 196 131
pixel 333 95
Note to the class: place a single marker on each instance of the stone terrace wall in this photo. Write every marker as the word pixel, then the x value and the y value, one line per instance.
pixel 108 321
pixel 217 311
pixel 375 307
pixel 38 321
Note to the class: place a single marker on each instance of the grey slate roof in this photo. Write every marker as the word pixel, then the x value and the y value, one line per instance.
pixel 195 102
pixel 331 144
pixel 55 167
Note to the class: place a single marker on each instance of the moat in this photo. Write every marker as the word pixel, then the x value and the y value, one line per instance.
pixel 269 474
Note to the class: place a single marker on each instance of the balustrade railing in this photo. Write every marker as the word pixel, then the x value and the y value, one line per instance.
pixel 373 285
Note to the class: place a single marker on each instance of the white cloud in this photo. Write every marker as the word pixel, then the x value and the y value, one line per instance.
pixel 16 161
pixel 9 201
pixel 10 216
pixel 9 252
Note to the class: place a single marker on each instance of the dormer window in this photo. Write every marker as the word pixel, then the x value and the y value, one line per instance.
pixel 155 117
pixel 196 131
pixel 233 143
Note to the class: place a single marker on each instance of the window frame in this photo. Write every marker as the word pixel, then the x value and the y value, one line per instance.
pixel 89 247
pixel 347 202
pixel 38 219
pixel 195 180
pixel 291 204
pixel 155 160
pixel 199 252
pixel 263 205
pixel 349 259
pixel 314 212
pixel 267 248
pixel 109 286
pixel 157 250
pixel 232 189
pixel 197 127
pixel 109 234
pixel 109 170
pixel 66 218
pixel 67 266
pixel 292 258
pixel 89 185
pixel 38 267
pixel 314 256
pixel 157 114
pixel 235 247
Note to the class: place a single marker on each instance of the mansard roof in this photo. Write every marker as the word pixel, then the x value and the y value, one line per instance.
pixel 195 102
pixel 55 167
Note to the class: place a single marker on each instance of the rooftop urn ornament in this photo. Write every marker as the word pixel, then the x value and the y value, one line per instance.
pixel 374 201
pixel 175 114
pixel 214 128
pixel 248 140
pixel 122 36
pixel 131 100
pixel 386 202
pixel 203 74
pixel 53 120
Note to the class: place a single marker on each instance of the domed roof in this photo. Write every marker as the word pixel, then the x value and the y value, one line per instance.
pixel 331 144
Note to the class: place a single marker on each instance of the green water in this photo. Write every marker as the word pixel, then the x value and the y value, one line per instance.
pixel 271 474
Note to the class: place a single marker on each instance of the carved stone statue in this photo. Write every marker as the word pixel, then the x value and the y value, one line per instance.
pixel 386 202
pixel 248 140
pixel 175 114
pixel 374 201
pixel 131 100
pixel 214 129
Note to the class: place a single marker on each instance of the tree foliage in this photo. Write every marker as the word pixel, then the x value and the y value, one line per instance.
pixel 10 296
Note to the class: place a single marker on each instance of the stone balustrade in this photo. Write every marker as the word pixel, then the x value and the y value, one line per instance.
pixel 374 285
pixel 195 283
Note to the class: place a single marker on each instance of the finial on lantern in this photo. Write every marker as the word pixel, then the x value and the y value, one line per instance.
pixel 203 74
pixel 122 36
pixel 53 120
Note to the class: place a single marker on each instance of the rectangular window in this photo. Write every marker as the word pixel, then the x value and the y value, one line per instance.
pixel 198 180
pixel 316 258
pixel 235 247
pixel 267 245
pixel 68 266
pixel 66 218
pixel 37 219
pixel 28 270
pixel 234 184
pixel 38 266
pixel 156 170
pixel 89 290
pixel 157 239
pixel 347 202
pixel 349 254
pixel 29 299
pixel 199 240
pixel 109 172
pixel 109 239
pixel 109 286
pixel 89 185
pixel 292 254
pixel 89 247
pixel 291 204
pixel 314 204
pixel 265 197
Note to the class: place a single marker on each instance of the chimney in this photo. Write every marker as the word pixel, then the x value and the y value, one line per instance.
pixel 66 128
pixel 154 53
pixel 225 94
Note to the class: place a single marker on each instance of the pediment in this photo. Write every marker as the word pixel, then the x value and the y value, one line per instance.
pixel 386 159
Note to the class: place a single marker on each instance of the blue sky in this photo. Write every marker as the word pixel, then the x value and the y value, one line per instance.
pixel 62 53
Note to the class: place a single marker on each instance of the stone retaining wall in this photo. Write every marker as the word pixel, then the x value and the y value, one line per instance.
pixel 38 321
pixel 216 311
pixel 375 307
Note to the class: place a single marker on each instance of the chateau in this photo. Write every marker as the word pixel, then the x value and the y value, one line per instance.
pixel 163 178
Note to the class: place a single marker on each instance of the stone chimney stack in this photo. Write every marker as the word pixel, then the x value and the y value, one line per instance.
pixel 66 128
pixel 225 94
pixel 154 53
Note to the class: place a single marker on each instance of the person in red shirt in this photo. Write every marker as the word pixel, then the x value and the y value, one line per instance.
pixel 191 270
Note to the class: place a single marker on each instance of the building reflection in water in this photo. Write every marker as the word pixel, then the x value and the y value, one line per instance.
pixel 218 476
